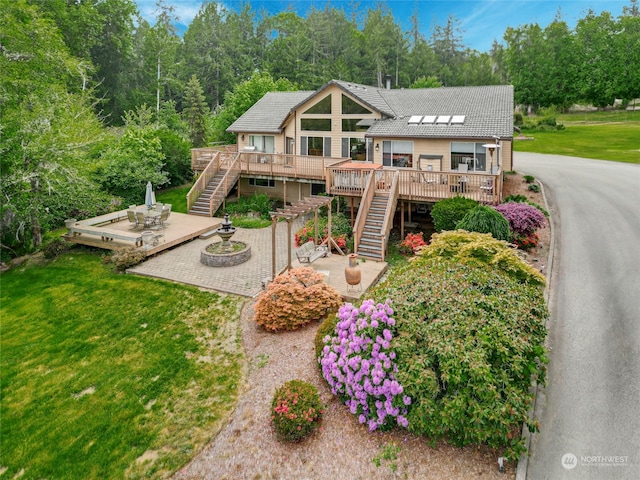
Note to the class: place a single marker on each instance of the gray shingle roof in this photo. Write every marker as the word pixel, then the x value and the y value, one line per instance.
pixel 268 114
pixel 488 110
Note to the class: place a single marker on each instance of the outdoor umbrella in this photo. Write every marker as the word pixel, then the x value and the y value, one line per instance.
pixel 150 197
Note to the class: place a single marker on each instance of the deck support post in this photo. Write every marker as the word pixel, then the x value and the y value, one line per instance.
pixel 274 222
pixel 289 242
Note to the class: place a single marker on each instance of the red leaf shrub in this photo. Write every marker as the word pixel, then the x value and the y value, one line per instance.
pixel 294 299
pixel 412 243
pixel 525 242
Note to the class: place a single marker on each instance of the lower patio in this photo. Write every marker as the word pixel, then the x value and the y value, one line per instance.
pixel 182 264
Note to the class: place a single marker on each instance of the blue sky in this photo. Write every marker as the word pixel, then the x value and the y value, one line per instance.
pixel 481 21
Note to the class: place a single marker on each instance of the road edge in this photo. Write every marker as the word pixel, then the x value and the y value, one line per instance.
pixel 523 461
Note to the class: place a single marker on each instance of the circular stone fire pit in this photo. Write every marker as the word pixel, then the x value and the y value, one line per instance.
pixel 225 253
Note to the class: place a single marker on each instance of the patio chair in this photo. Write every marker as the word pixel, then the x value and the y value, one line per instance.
pixel 487 186
pixel 145 220
pixel 131 215
pixel 163 217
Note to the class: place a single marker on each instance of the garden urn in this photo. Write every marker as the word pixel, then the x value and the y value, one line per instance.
pixel 352 273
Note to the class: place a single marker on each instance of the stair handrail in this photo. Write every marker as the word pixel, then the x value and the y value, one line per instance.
pixel 387 222
pixel 232 172
pixel 203 180
pixel 363 211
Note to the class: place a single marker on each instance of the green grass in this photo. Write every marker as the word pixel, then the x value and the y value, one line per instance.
pixel 100 369
pixel 603 141
pixel 176 196
pixel 245 221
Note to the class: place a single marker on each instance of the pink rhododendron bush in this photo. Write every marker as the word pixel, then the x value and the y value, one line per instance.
pixel 360 367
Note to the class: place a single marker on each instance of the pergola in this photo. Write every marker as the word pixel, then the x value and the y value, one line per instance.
pixel 293 211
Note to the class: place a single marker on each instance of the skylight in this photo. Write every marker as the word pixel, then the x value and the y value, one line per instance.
pixel 457 119
pixel 415 119
pixel 428 119
pixel 443 119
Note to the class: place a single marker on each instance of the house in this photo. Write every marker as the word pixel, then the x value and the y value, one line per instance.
pixel 383 149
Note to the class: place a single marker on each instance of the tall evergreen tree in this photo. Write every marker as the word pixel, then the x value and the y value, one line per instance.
pixel 195 112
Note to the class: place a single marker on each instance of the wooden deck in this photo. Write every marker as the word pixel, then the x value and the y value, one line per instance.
pixel 343 178
pixel 113 232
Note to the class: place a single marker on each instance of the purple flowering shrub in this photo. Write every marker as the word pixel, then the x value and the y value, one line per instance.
pixel 359 365
pixel 523 219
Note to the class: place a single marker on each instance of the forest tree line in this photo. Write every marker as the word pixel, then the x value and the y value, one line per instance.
pixel 95 101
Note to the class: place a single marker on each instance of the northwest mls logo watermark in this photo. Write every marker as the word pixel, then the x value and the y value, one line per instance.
pixel 570 461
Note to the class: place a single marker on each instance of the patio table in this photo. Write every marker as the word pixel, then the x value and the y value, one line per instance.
pixel 151 216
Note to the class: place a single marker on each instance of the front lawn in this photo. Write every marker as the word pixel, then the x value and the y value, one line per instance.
pixel 107 375
pixel 610 141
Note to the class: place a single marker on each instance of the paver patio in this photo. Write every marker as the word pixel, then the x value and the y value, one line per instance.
pixel 182 264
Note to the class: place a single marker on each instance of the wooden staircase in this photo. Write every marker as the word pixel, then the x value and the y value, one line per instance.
pixel 371 239
pixel 206 206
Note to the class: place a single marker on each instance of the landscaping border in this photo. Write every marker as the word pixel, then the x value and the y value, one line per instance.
pixel 523 461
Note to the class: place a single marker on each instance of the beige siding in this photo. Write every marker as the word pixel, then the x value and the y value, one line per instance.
pixel 336 132
pixel 443 147
pixel 294 191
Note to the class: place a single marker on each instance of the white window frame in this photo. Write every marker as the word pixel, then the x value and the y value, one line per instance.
pixel 475 156
pixel 397 148
pixel 263 143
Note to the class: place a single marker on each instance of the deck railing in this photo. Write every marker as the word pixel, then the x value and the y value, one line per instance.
pixel 418 185
pixel 210 171
pixel 414 185
pixel 290 166
pixel 393 181
pixel 363 210
pixel 229 163
pixel 200 157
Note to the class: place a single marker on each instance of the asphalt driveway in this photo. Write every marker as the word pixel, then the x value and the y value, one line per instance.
pixel 590 410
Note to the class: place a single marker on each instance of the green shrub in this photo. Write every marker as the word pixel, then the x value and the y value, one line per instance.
pixel 328 327
pixel 485 219
pixel 482 250
pixel 55 248
pixel 534 187
pixel 529 178
pixel 515 198
pixel 447 213
pixel 296 410
pixel 259 203
pixel 125 258
pixel 469 343
pixel 294 299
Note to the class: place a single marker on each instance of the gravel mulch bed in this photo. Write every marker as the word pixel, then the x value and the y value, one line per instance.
pixel 343 449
